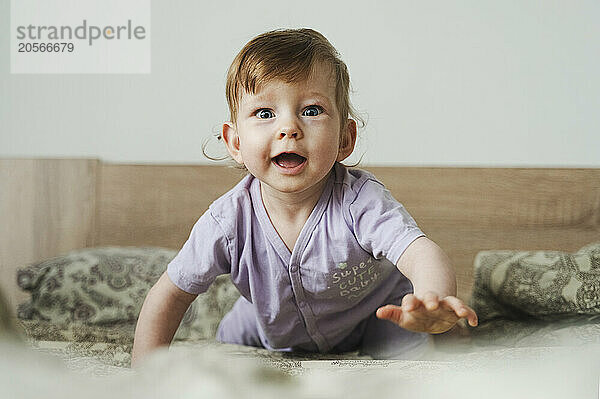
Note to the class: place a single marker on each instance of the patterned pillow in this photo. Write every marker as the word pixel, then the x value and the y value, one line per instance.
pixel 8 329
pixel 545 285
pixel 107 286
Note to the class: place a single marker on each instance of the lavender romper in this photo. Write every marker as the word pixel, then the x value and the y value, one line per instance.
pixel 322 296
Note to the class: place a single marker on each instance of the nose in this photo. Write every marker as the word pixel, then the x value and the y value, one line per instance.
pixel 290 133
pixel 289 128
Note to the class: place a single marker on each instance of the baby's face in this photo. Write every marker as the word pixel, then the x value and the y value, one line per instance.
pixel 300 121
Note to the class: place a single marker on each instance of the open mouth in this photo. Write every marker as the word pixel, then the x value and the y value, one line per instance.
pixel 289 160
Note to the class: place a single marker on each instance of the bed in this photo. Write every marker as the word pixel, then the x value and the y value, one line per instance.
pixel 515 236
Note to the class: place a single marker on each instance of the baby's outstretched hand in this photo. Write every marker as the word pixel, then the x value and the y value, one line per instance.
pixel 429 314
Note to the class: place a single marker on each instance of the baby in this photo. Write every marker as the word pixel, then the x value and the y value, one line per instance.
pixel 324 257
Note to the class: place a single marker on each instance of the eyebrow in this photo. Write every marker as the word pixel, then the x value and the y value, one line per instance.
pixel 257 98
pixel 318 96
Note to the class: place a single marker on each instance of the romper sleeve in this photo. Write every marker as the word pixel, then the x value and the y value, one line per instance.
pixel 203 257
pixel 381 224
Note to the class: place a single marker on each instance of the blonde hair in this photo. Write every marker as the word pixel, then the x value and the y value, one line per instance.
pixel 290 55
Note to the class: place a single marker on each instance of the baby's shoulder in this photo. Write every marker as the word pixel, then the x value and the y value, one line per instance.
pixel 353 182
pixel 235 202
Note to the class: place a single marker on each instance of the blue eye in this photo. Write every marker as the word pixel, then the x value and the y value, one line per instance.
pixel 312 110
pixel 264 113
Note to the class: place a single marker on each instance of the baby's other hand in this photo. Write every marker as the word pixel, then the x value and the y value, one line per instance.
pixel 429 314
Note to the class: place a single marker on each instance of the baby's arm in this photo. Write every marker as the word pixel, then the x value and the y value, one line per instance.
pixel 434 307
pixel 159 318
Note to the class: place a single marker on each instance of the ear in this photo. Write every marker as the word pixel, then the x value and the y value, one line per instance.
pixel 232 142
pixel 347 140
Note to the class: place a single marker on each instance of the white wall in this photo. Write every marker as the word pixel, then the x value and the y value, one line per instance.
pixel 481 83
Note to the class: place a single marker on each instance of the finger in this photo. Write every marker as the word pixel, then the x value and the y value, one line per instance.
pixel 463 311
pixel 410 302
pixel 434 322
pixel 390 312
pixel 472 317
pixel 384 312
pixel 431 300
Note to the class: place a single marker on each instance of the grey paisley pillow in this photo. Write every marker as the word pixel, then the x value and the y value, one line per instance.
pixel 8 329
pixel 544 285
pixel 107 286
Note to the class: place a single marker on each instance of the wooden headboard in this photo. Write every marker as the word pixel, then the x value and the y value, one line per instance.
pixel 51 206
